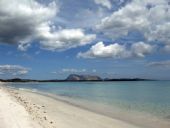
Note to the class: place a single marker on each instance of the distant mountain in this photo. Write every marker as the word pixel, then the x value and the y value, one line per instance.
pixel 75 77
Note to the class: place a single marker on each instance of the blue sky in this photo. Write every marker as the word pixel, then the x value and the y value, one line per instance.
pixel 50 39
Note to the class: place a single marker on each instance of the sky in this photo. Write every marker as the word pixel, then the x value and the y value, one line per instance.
pixel 50 39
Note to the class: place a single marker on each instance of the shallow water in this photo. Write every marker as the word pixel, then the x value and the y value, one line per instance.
pixel 151 97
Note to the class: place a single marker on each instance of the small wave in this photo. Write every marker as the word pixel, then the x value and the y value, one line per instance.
pixel 11 87
pixel 24 89
pixel 34 90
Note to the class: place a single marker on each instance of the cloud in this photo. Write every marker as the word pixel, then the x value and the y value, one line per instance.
pixel 87 17
pixel 13 70
pixel 167 48
pixel 73 70
pixel 99 50
pixel 65 39
pixel 104 3
pixel 141 49
pixel 149 17
pixel 70 70
pixel 160 64
pixel 22 22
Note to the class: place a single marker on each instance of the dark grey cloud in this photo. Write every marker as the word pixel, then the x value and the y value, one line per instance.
pixel 15 30
pixel 21 22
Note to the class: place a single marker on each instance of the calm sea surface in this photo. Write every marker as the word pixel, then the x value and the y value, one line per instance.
pixel 151 97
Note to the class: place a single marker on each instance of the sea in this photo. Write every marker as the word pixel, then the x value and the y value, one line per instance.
pixel 132 99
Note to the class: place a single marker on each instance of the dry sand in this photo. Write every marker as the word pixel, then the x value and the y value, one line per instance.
pixel 14 115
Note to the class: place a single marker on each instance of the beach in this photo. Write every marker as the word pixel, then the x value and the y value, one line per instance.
pixel 85 64
pixel 38 109
pixel 13 114
pixel 30 110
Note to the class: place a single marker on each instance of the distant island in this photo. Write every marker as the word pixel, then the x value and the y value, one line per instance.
pixel 75 78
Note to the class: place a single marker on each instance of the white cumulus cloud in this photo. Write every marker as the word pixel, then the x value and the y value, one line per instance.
pixel 102 51
pixel 99 50
pixel 149 17
pixel 65 39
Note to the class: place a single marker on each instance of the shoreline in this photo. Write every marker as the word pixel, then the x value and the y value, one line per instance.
pixel 57 114
pixel 64 114
pixel 138 120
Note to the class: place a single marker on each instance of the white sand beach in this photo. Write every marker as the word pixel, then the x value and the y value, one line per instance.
pixel 28 110
pixel 25 109
pixel 13 114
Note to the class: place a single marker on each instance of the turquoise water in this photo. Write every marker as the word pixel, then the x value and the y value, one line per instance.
pixel 151 97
